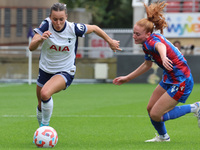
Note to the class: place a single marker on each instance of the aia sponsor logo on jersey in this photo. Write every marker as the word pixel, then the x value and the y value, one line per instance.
pixel 59 48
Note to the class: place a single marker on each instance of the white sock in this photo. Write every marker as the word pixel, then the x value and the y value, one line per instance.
pixel 39 115
pixel 193 108
pixel 47 109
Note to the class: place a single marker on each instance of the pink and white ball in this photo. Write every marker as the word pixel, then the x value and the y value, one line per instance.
pixel 46 137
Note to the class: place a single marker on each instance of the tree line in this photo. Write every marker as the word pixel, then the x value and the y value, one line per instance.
pixel 106 13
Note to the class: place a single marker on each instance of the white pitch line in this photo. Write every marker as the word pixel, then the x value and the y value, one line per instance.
pixel 18 116
pixel 10 84
pixel 78 116
pixel 101 116
pixel 81 116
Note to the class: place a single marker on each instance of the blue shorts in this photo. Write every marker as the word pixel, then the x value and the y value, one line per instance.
pixel 43 77
pixel 181 91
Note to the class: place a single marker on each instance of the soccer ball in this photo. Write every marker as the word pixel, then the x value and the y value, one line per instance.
pixel 45 136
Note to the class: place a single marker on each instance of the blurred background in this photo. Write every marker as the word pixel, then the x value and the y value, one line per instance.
pixel 95 61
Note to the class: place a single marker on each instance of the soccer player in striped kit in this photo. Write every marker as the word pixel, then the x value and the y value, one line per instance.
pixel 59 40
pixel 177 81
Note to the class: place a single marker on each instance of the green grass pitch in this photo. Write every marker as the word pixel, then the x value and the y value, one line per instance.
pixel 93 117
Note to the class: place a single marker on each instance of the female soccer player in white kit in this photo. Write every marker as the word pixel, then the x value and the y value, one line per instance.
pixel 59 39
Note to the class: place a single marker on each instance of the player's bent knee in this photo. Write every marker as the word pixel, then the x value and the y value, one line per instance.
pixel 155 117
pixel 44 94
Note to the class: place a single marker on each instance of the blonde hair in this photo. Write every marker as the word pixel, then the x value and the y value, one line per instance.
pixel 155 18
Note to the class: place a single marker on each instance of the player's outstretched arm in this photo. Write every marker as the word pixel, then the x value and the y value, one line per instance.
pixel 114 44
pixel 38 39
pixel 120 80
pixel 144 67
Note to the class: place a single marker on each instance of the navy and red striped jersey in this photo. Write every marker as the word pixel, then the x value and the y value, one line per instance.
pixel 180 71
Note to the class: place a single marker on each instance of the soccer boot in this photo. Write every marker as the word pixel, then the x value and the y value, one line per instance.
pixel 197 113
pixel 158 139
pixel 41 125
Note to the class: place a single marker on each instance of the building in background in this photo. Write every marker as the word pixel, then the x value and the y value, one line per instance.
pixel 18 17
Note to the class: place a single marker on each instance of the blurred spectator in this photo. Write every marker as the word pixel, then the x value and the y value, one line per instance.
pixel 178 45
pixel 189 49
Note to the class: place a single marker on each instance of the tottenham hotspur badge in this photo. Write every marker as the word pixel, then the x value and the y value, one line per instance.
pixel 69 40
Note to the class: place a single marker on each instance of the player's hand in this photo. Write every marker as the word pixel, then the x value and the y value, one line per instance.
pixel 114 45
pixel 167 63
pixel 46 35
pixel 120 80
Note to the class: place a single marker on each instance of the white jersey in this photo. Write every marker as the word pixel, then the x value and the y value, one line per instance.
pixel 59 50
